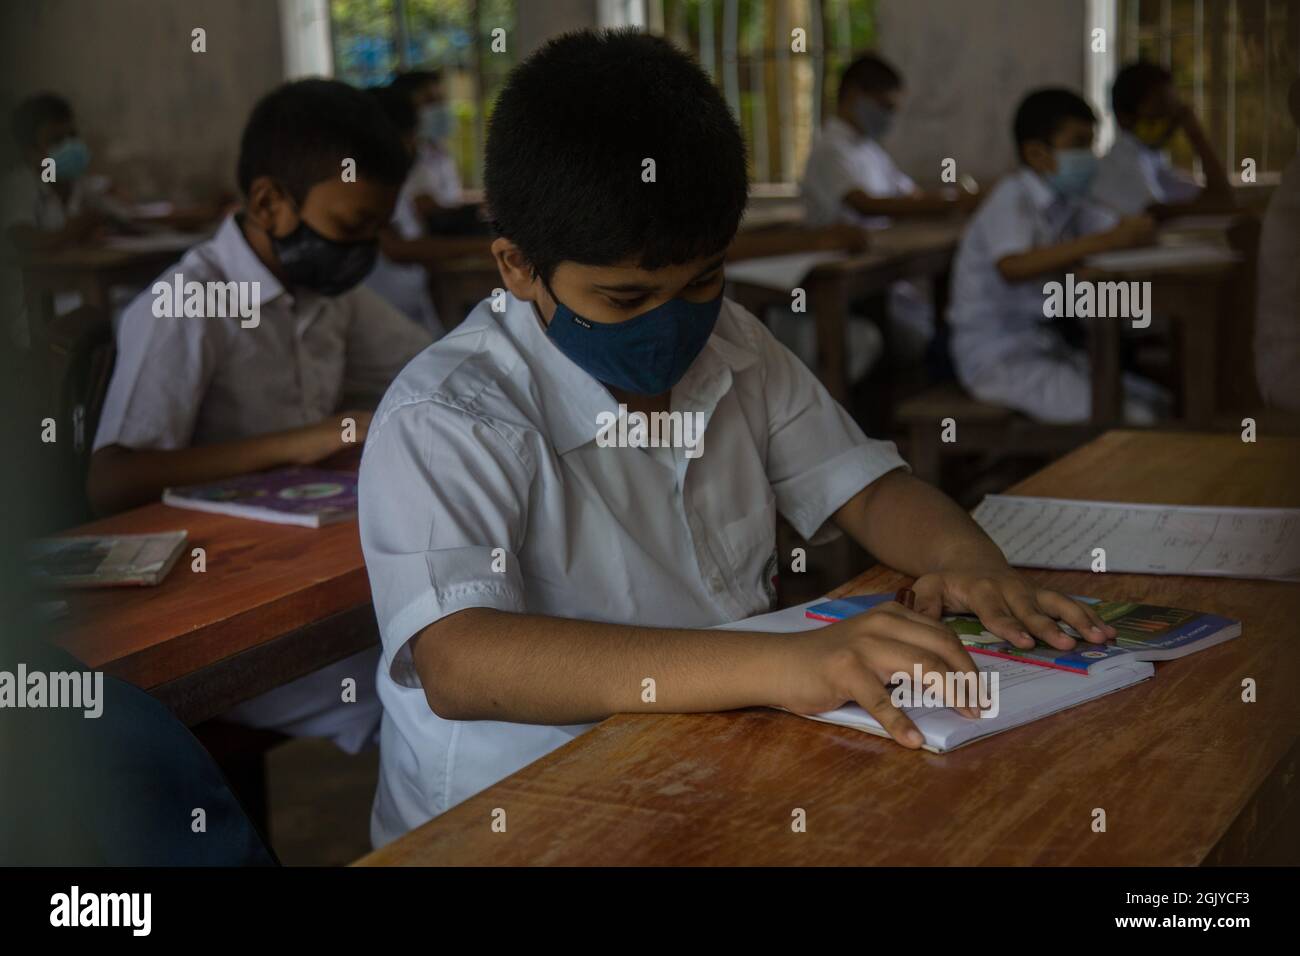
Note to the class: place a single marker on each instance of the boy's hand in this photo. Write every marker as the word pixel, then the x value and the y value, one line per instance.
pixel 1133 231
pixel 323 439
pixel 1010 606
pixel 853 660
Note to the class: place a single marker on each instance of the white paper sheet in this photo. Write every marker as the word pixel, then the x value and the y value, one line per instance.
pixel 1151 258
pixel 779 272
pixel 1144 539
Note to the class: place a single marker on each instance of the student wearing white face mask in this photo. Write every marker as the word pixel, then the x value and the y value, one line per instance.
pixel 433 193
pixel 1036 225
pixel 851 179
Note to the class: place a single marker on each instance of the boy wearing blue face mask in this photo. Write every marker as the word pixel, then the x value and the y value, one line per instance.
pixel 200 398
pixel 530 574
pixel 45 198
pixel 1035 226
pixel 851 179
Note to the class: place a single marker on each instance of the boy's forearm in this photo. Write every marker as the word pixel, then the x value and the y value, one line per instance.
pixel 484 664
pixel 914 528
pixel 900 205
pixel 122 478
pixel 1050 260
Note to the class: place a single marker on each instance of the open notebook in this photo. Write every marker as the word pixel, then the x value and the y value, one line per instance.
pixel 1026 692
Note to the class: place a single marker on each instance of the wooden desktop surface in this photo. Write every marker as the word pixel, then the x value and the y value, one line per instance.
pixel 275 602
pixel 1186 772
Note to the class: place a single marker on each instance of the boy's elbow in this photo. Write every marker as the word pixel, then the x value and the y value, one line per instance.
pixel 439 665
pixel 105 480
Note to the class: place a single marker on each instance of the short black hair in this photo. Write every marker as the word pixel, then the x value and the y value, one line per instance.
pixel 396 106
pixel 566 145
pixel 34 112
pixel 869 73
pixel 1043 112
pixel 411 80
pixel 300 133
pixel 1134 83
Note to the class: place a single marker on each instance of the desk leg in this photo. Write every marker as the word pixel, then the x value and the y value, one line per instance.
pixel 828 298
pixel 1200 394
pixel 1107 386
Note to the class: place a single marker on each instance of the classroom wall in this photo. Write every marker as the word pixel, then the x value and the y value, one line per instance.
pixel 966 66
pixel 162 120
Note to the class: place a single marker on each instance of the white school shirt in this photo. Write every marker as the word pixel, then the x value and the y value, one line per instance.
pixel 1132 176
pixel 995 324
pixel 25 200
pixel 1277 311
pixel 842 160
pixel 487 441
pixel 195 381
pixel 180 382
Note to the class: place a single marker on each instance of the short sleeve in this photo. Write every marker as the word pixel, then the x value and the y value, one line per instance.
pixel 1007 225
pixel 161 374
pixel 1175 185
pixel 443 507
pixel 18 198
pixel 380 342
pixel 817 456
pixel 831 176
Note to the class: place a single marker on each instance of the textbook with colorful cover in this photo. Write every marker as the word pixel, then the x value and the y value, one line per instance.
pixel 311 497
pixel 1147 632
pixel 1025 691
pixel 105 560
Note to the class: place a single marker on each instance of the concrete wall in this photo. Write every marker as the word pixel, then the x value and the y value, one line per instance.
pixel 162 120
pixel 967 64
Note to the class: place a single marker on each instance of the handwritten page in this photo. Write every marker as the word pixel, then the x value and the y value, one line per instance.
pixel 1144 539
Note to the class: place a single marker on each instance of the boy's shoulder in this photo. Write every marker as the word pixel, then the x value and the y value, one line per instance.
pixel 495 368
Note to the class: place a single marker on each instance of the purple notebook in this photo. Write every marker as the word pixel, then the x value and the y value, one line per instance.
pixel 310 497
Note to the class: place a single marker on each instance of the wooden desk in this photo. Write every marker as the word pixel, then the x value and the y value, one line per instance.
pixel 91 271
pixel 914 250
pixel 276 602
pixel 1195 299
pixel 1186 772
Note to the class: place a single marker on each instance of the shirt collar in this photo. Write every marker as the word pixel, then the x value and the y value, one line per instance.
pixel 571 400
pixel 1040 193
pixel 238 260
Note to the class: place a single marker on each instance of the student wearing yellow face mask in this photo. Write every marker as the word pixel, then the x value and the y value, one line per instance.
pixel 1136 175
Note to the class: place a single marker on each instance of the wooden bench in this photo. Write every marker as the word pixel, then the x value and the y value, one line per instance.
pixel 979 428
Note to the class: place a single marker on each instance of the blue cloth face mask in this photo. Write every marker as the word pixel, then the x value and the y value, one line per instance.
pixel 1075 171
pixel 71 159
pixel 435 122
pixel 645 355
pixel 874 121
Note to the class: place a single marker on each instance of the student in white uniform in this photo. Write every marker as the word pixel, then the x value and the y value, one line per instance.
pixel 1136 175
pixel 434 186
pixel 851 178
pixel 195 399
pixel 44 197
pixel 1035 226
pixel 527 578
pixel 1277 317
pixel 403 284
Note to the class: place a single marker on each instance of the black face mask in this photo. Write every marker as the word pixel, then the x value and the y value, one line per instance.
pixel 311 261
